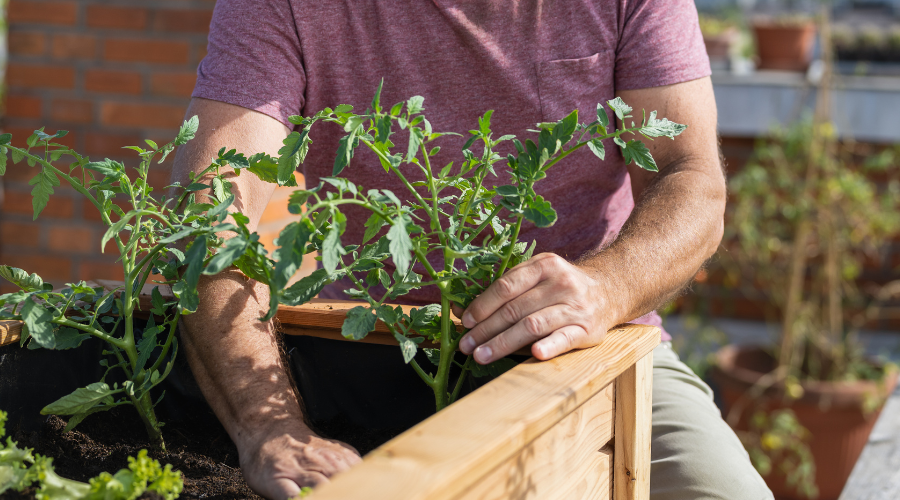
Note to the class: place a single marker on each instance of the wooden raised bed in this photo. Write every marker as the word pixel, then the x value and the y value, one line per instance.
pixel 574 427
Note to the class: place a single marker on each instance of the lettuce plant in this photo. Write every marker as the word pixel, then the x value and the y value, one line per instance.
pixel 459 231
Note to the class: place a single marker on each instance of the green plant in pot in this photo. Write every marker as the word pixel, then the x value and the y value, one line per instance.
pixel 805 217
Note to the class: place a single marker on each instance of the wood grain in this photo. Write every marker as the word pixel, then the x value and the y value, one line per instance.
pixel 10 332
pixel 632 436
pixel 572 460
pixel 447 454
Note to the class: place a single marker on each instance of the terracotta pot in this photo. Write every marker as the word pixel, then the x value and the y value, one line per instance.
pixel 785 47
pixel 719 46
pixel 831 411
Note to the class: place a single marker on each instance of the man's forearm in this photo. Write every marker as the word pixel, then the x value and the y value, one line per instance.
pixel 235 357
pixel 676 226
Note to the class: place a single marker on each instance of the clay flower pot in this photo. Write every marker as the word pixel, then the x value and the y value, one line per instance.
pixel 784 46
pixel 833 412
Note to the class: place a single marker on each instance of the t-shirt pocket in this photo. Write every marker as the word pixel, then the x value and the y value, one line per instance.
pixel 567 84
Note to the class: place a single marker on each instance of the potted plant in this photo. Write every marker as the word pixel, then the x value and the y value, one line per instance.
pixel 784 42
pixel 805 216
pixel 720 35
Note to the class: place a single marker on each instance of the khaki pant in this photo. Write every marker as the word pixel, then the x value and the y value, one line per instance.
pixel 694 454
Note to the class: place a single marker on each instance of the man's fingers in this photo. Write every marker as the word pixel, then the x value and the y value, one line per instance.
pixel 505 317
pixel 530 329
pixel 285 488
pixel 515 282
pixel 561 341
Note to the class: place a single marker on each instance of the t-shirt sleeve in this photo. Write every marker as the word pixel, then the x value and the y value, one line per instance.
pixel 659 44
pixel 253 58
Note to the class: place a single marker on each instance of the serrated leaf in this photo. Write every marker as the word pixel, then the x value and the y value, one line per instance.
pixel 77 418
pixel 17 155
pixel 194 257
pixel 291 155
pixel 5 139
pixel 343 108
pixel 306 288
pixel 21 278
pixel 416 136
pixel 540 212
pixel 619 108
pixel 433 355
pixel 38 322
pixel 332 250
pixel 359 322
pixel 407 347
pixel 265 168
pixel 2 161
pixel 636 151
pixel 291 243
pixel 373 225
pixel 225 256
pixel 147 344
pixel 343 156
pixel 415 104
pixel 81 400
pixel 219 188
pixel 159 303
pixel 662 127
pixel 376 100
pixel 69 338
pixel 400 245
pixel 187 131
pixel 43 183
pixel 602 117
pixel 596 147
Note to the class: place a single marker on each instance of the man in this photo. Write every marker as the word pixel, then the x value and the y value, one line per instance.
pixel 626 240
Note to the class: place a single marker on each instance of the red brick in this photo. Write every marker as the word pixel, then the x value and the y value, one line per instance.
pixel 74 47
pixel 111 17
pixel 144 50
pixel 173 84
pixel 72 239
pixel 182 20
pixel 99 270
pixel 108 145
pixel 25 43
pixel 141 115
pixel 23 106
pixel 72 110
pixel 55 270
pixel 90 212
pixel 123 82
pixel 17 234
pixel 40 76
pixel 30 11
pixel 19 202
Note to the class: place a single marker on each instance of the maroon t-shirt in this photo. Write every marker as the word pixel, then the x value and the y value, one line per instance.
pixel 531 61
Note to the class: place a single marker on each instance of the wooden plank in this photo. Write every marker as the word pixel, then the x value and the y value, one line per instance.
pixel 572 460
pixel 632 435
pixel 10 332
pixel 876 475
pixel 446 455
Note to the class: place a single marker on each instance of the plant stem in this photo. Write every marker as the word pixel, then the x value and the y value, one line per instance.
pixel 459 381
pixel 442 378
pixel 512 244
pixel 144 407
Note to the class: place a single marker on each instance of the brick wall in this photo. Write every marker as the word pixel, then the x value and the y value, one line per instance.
pixel 113 73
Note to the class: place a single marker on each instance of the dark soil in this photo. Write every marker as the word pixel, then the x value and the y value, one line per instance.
pixel 201 450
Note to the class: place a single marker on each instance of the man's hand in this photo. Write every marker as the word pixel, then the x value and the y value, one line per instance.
pixel 276 465
pixel 676 225
pixel 546 301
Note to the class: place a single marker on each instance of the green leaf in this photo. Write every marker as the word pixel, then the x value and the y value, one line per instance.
pixel 21 278
pixel 291 248
pixel 332 250
pixel 415 104
pixel 2 161
pixel 115 229
pixel 376 100
pixel 5 139
pixel 566 127
pixel 292 154
pixel 619 107
pixel 230 251
pixel 38 322
pixel 400 245
pixel 602 116
pixel 17 155
pixel 307 288
pixel 494 369
pixel 43 183
pixel 194 257
pixel 407 347
pixel 359 322
pixel 373 225
pixel 219 188
pixel 416 135
pixel 636 151
pixel 433 355
pixel 69 338
pixel 187 131
pixel 343 108
pixel 662 127
pixel 147 344
pixel 82 400
pixel 424 316
pixel 344 155
pixel 159 303
pixel 596 147
pixel 265 168
pixel 77 418
pixel 540 212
